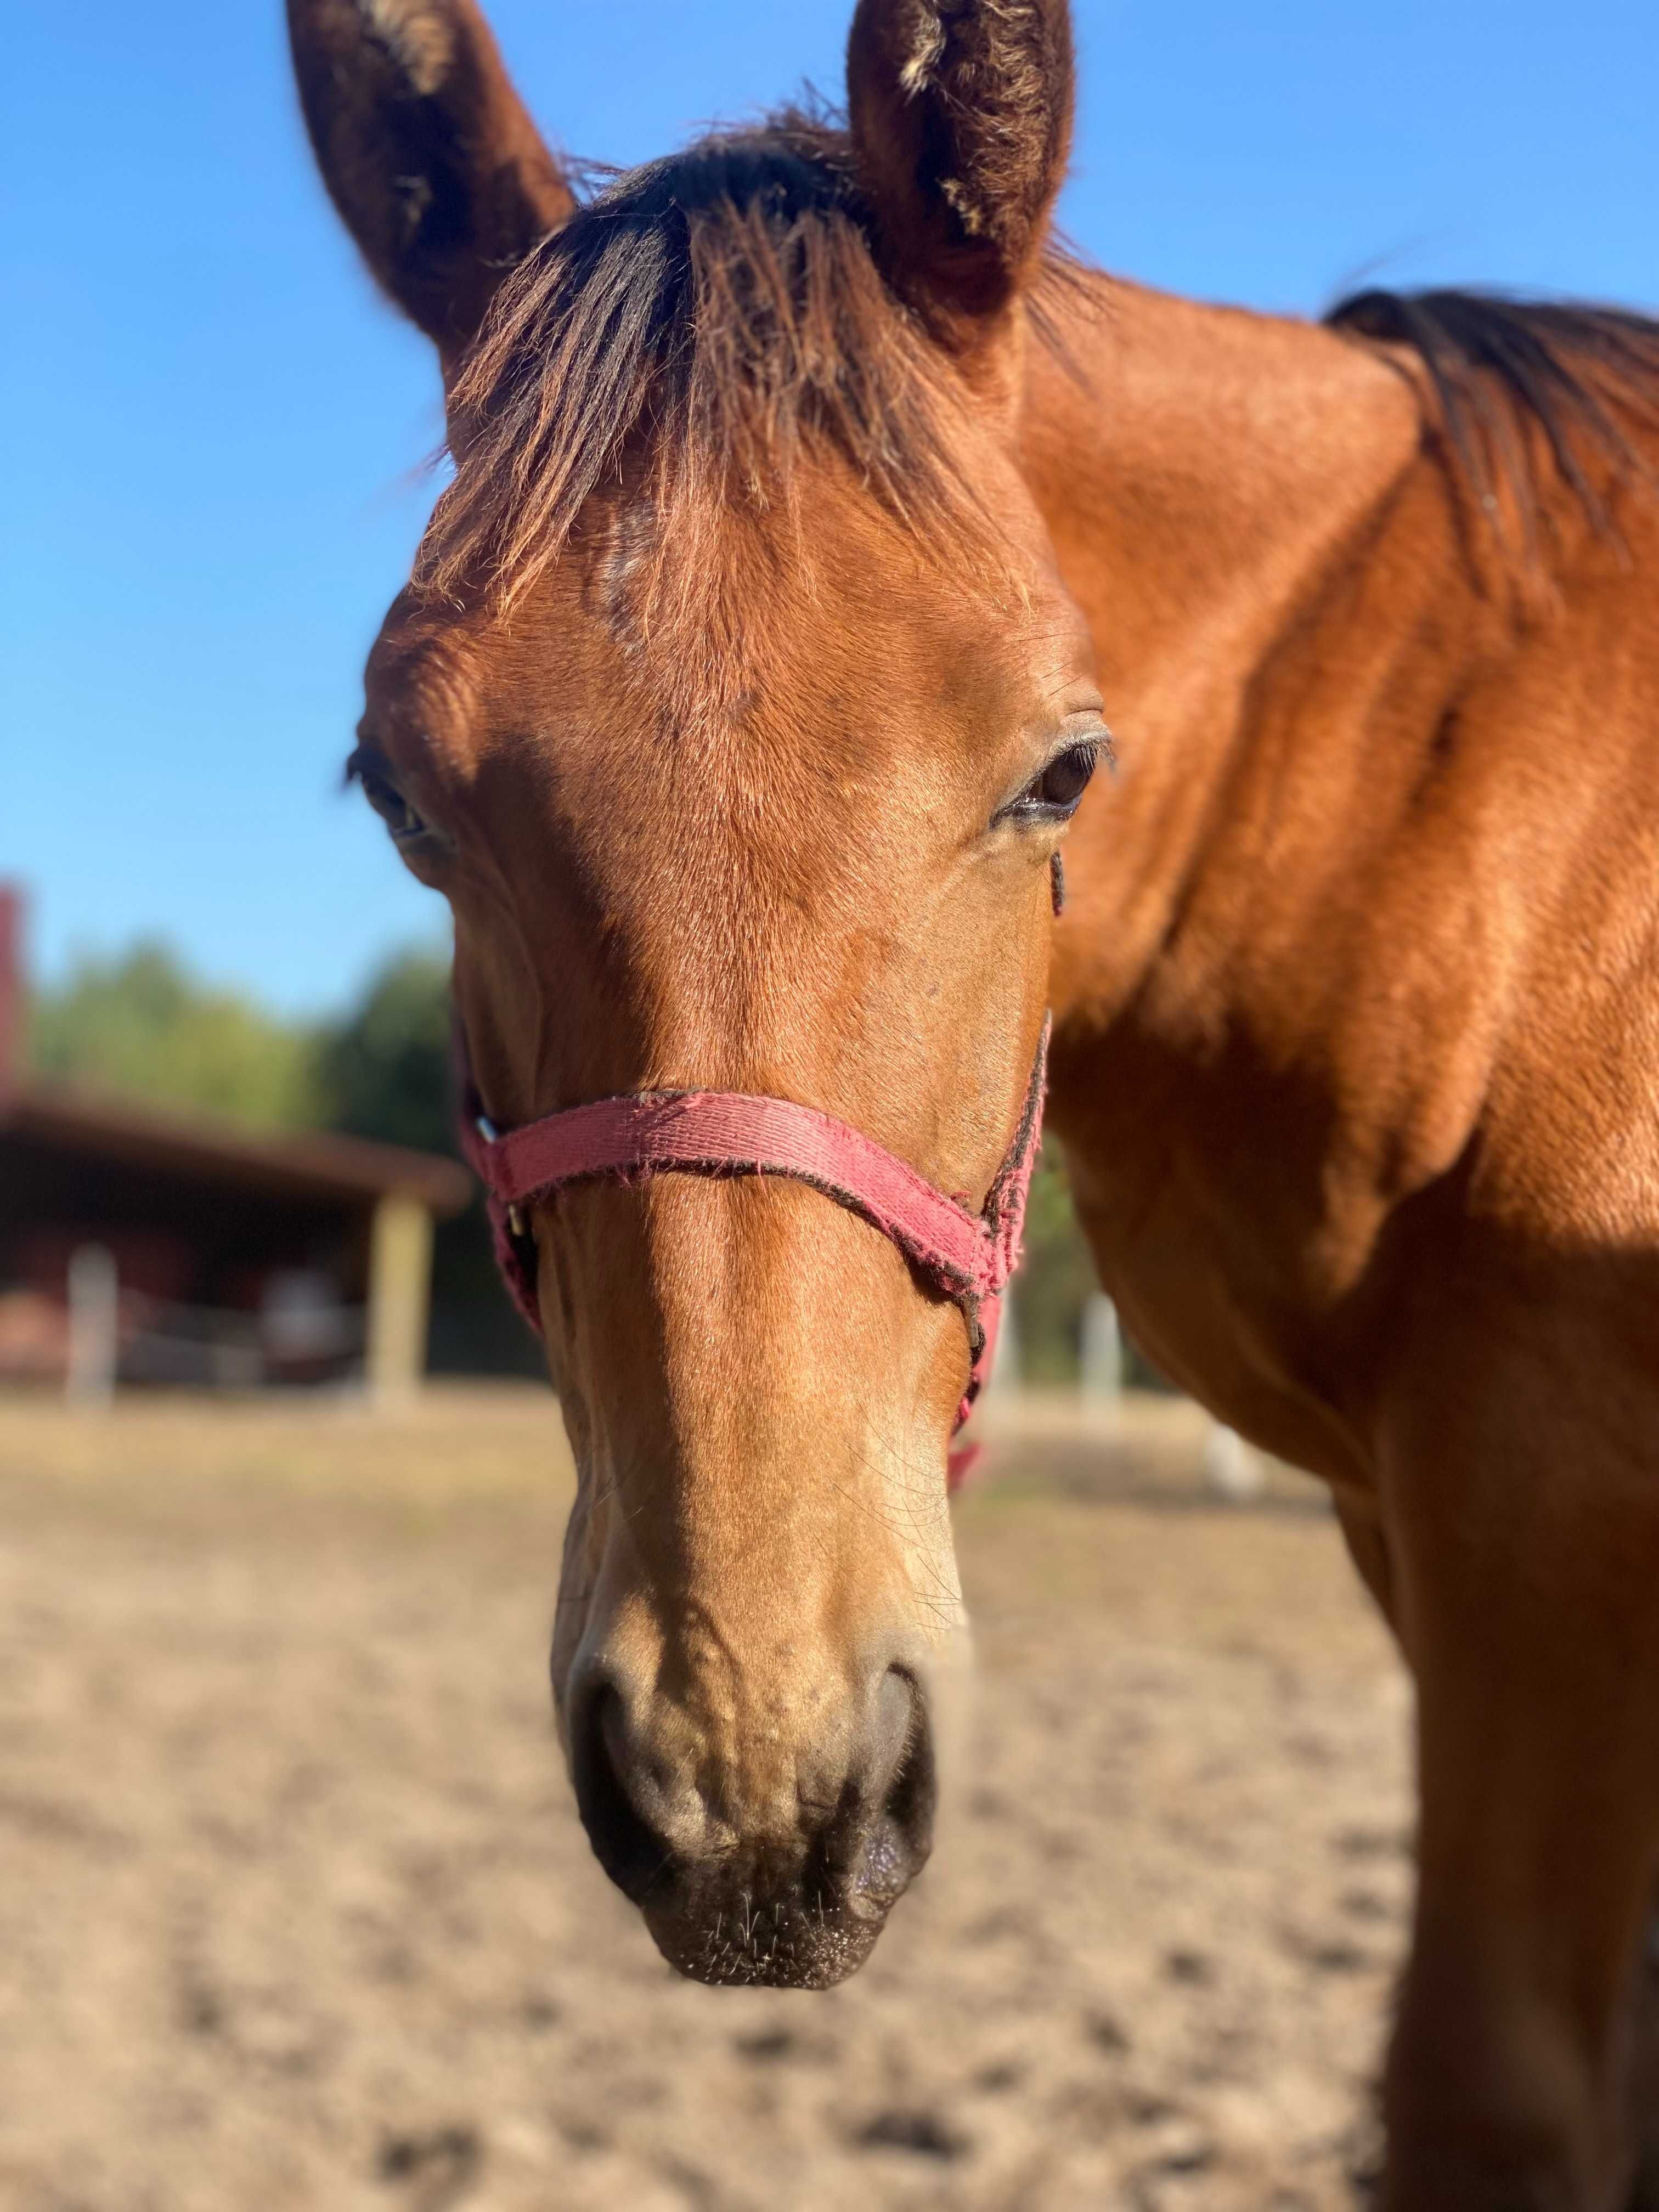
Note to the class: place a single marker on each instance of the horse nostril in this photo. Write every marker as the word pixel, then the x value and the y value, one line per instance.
pixel 913 1793
pixel 895 1845
pixel 629 1850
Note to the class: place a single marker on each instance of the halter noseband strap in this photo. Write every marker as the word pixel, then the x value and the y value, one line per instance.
pixel 959 1254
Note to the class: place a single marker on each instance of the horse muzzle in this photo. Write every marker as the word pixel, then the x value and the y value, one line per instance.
pixel 754 1858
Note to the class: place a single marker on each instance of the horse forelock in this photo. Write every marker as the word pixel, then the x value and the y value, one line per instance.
pixel 684 340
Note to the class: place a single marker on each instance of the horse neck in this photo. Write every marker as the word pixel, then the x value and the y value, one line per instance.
pixel 1216 483
pixel 1271 565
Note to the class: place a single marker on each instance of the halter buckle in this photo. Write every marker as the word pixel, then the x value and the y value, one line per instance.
pixel 487 1129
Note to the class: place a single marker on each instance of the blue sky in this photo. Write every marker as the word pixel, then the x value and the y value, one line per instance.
pixel 214 483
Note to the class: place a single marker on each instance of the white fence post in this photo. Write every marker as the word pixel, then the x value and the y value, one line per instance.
pixel 1229 1465
pixel 1101 1352
pixel 1004 1360
pixel 89 1379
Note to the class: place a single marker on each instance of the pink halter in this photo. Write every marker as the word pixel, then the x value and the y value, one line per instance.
pixel 956 1254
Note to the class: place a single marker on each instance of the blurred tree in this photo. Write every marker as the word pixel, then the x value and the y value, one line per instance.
pixel 1056 1275
pixel 141 1023
pixel 383 1071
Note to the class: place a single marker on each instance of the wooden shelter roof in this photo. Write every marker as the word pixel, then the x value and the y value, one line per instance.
pixel 310 1165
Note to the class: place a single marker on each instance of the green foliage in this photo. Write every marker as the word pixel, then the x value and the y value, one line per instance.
pixel 1056 1275
pixel 383 1071
pixel 141 1024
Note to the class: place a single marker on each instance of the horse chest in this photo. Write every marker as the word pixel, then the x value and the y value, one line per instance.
pixel 1240 1220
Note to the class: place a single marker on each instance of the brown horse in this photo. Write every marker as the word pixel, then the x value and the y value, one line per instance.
pixel 808 508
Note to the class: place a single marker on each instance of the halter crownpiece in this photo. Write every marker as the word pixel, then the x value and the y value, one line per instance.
pixel 964 1256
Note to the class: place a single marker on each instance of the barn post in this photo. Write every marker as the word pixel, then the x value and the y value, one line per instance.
pixel 94 1327
pixel 399 1290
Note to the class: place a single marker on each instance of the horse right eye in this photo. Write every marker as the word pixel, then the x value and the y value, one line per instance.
pixel 384 796
pixel 393 808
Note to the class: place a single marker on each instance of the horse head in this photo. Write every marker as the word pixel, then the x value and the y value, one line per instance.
pixel 737 708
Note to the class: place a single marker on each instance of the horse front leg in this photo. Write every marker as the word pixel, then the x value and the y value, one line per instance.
pixel 1524 1596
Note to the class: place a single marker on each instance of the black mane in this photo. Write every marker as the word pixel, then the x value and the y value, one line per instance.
pixel 1583 374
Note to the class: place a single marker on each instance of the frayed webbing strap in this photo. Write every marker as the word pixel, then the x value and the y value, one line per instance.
pixel 963 1255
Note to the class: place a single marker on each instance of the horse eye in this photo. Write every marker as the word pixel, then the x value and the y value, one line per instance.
pixel 388 802
pixel 1054 795
pixel 393 808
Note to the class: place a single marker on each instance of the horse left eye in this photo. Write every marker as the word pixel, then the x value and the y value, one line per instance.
pixel 1053 796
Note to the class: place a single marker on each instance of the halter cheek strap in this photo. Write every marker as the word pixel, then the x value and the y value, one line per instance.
pixel 959 1254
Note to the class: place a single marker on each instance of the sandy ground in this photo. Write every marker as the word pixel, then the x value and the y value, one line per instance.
pixel 294 1910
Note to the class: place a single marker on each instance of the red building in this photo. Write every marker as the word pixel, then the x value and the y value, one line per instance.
pixel 238 1260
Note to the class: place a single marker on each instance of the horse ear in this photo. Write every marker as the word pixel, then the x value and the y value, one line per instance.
pixel 428 152
pixel 962 120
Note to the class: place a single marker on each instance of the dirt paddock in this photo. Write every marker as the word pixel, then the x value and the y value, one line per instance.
pixel 294 1910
